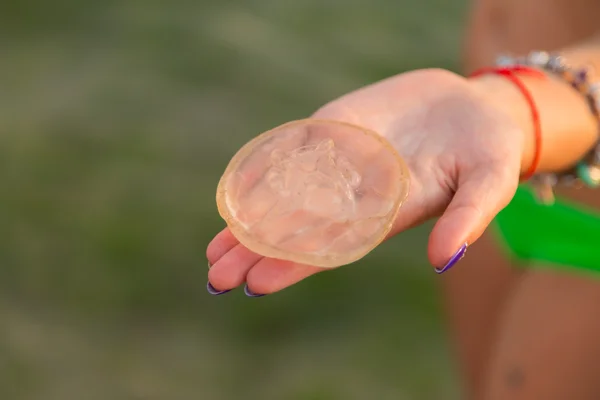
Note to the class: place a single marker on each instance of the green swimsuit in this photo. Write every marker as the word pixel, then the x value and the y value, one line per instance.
pixel 564 235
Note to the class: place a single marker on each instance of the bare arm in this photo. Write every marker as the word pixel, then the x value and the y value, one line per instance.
pixel 568 127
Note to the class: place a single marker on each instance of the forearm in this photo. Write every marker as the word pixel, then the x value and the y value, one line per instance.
pixel 569 129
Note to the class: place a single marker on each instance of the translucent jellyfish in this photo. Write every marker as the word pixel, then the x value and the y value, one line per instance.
pixel 317 192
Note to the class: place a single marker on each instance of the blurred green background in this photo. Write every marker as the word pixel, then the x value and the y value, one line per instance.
pixel 116 121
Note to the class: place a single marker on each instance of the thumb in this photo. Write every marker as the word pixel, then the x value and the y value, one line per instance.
pixel 482 193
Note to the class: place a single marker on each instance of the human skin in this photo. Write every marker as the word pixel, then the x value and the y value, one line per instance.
pixel 459 149
pixel 465 150
pixel 527 334
pixel 475 137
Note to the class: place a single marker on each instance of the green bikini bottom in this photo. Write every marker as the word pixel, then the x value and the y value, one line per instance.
pixel 564 235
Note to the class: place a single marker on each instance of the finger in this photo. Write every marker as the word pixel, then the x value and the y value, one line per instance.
pixel 270 275
pixel 220 245
pixel 479 198
pixel 316 239
pixel 231 269
pixel 281 230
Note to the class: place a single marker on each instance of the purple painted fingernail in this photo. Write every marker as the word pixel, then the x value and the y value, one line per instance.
pixel 250 293
pixel 453 260
pixel 212 290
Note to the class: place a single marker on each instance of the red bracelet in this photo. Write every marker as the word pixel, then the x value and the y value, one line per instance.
pixel 511 73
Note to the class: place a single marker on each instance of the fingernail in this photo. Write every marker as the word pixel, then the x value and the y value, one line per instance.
pixel 249 292
pixel 212 290
pixel 453 260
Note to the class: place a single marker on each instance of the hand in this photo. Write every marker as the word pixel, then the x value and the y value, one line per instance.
pixel 464 154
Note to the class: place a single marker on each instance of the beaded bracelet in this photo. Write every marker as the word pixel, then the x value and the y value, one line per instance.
pixel 587 170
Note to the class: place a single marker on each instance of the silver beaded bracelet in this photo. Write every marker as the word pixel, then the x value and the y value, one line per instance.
pixel 587 171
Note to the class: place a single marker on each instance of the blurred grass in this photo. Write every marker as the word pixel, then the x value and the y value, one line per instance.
pixel 116 120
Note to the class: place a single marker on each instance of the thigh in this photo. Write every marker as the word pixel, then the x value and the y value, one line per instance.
pixel 475 291
pixel 519 26
pixel 548 341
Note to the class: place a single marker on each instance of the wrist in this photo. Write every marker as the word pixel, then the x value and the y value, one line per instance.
pixel 504 96
pixel 568 127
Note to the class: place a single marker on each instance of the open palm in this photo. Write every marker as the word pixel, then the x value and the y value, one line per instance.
pixel 463 154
